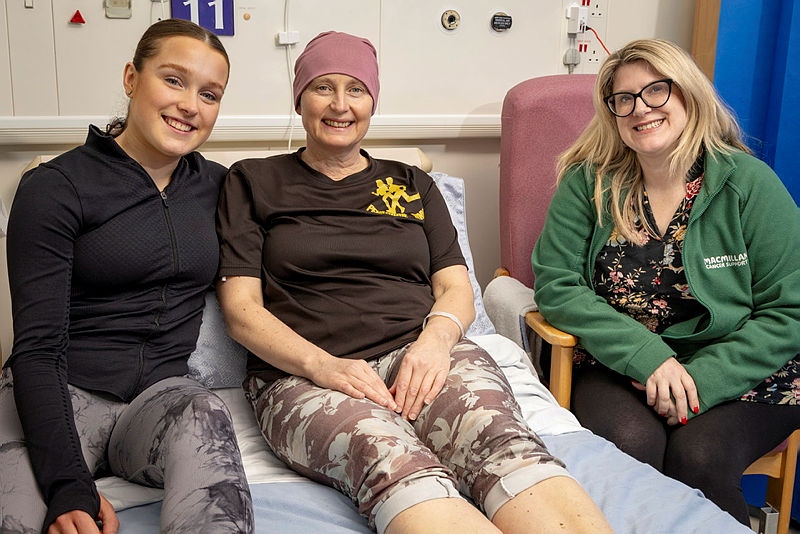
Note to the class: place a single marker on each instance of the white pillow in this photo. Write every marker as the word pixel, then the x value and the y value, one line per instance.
pixel 218 361
pixel 453 191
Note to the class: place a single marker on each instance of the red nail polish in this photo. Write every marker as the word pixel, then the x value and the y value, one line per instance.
pixel 683 421
pixel 662 414
pixel 696 409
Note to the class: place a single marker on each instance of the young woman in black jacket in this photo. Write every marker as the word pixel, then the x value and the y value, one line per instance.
pixel 111 247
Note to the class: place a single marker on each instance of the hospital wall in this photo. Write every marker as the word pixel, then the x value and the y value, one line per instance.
pixel 441 90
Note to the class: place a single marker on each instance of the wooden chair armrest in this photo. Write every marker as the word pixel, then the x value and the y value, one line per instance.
pixel 548 332
pixel 501 271
pixel 539 324
pixel 562 346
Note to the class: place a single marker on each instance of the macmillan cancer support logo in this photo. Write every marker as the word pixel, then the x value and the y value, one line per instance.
pixel 726 260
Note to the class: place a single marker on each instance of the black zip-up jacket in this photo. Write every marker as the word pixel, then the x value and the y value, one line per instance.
pixel 107 280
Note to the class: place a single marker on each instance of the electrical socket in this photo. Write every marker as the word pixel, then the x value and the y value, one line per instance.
pixel 598 13
pixel 591 53
pixel 598 8
pixel 594 55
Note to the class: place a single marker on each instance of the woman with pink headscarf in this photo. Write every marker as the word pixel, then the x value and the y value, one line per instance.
pixel 343 276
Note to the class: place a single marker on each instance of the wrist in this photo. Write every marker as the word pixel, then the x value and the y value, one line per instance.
pixel 313 363
pixel 442 330
pixel 446 316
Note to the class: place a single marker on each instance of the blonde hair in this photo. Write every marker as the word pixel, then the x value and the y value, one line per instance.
pixel 710 125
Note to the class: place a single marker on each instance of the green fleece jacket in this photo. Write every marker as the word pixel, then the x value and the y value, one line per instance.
pixel 741 256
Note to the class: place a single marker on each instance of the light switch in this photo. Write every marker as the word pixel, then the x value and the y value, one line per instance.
pixel 117 9
pixel 28 4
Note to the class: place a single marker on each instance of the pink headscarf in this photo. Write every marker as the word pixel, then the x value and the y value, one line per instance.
pixel 337 53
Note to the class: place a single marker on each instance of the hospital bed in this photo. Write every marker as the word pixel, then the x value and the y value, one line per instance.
pixel 634 497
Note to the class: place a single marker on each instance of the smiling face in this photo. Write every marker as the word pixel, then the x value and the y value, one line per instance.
pixel 175 100
pixel 652 133
pixel 336 111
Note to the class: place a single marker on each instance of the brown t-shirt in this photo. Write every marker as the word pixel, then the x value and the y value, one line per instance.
pixel 346 264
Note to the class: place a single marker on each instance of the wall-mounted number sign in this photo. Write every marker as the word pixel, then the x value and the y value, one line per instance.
pixel 213 15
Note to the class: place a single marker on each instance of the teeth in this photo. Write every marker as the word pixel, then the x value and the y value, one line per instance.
pixel 336 124
pixel 650 125
pixel 178 125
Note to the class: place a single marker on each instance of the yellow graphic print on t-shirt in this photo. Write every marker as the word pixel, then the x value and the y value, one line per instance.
pixel 391 194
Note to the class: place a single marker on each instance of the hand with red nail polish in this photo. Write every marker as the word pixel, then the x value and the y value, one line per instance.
pixel 671 386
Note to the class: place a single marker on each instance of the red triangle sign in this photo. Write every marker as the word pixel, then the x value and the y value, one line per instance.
pixel 77 18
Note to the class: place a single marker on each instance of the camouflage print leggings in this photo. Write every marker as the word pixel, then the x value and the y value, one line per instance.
pixel 175 435
pixel 472 437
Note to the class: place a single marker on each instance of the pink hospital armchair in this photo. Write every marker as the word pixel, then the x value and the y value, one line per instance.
pixel 541 117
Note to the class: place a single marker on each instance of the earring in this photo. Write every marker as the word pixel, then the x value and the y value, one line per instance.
pixel 129 91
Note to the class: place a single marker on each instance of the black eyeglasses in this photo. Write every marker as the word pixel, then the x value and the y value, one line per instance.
pixel 654 95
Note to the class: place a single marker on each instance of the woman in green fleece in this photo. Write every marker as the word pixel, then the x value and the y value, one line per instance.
pixel 673 255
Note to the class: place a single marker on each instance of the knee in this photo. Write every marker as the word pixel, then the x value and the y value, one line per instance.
pixel 202 414
pixel 701 466
pixel 383 449
pixel 207 404
pixel 637 440
pixel 639 437
pixel 382 461
pixel 417 487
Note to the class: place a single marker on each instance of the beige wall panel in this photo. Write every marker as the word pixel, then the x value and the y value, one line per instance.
pixel 666 19
pixel 429 70
pixel 6 103
pixel 90 57
pixel 258 84
pixel 33 66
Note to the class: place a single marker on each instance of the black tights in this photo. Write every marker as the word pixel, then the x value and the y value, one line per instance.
pixel 709 453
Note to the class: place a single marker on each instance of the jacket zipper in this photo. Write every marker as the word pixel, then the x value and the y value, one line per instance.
pixel 156 319
pixel 172 239
pixel 694 216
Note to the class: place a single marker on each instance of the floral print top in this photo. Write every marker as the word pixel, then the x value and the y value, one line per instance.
pixel 648 282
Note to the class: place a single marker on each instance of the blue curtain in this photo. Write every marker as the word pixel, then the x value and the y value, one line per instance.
pixel 757 74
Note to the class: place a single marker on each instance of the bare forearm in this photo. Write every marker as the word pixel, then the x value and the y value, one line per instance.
pixel 254 327
pixel 456 300
pixel 273 341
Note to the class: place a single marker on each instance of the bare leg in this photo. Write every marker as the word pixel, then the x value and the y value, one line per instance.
pixel 441 515
pixel 556 504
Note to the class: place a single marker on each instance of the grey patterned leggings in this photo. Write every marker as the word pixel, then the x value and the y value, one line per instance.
pixel 472 437
pixel 175 435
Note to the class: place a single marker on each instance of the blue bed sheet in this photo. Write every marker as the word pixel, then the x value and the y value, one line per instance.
pixel 634 497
